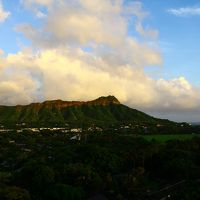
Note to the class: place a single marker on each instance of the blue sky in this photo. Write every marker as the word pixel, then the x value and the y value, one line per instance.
pixel 178 38
pixel 151 57
pixel 10 40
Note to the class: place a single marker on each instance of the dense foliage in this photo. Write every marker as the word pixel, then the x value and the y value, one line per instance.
pixel 51 167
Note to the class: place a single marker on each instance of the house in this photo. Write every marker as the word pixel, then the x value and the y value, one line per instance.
pixel 76 137
pixel 34 129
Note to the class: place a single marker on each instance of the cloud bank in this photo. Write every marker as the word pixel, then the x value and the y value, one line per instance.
pixel 83 50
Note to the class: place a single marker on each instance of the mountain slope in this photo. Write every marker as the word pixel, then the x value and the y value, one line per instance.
pixel 102 111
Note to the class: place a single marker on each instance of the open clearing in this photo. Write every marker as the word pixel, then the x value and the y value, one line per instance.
pixel 164 138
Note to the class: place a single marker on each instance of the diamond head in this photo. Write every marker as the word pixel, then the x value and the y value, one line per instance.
pixel 104 111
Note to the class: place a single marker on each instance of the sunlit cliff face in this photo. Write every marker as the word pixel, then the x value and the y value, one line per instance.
pixel 83 49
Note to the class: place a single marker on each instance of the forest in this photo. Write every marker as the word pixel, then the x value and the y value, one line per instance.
pixel 51 166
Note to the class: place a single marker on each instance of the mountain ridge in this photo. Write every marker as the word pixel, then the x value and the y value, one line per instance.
pixel 103 100
pixel 105 110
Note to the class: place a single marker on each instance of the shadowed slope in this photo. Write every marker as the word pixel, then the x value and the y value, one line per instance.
pixel 102 111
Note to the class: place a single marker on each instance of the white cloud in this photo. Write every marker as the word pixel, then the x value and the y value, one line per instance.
pixel 186 11
pixel 76 75
pixel 40 14
pixel 178 93
pixel 136 9
pixel 100 25
pixel 3 14
pixel 87 22
pixel 146 32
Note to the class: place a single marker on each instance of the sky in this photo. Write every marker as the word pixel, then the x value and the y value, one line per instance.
pixel 146 53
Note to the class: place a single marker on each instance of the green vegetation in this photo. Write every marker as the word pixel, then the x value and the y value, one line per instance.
pixel 165 138
pixel 121 153
pixel 103 112
pixel 50 166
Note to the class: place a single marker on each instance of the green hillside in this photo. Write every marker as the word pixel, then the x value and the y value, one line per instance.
pixel 102 111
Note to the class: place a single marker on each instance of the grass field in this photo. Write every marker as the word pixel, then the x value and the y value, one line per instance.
pixel 164 138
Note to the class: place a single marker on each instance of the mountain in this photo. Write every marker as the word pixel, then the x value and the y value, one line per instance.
pixel 102 112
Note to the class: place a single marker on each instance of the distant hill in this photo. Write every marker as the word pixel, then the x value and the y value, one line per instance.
pixel 103 111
